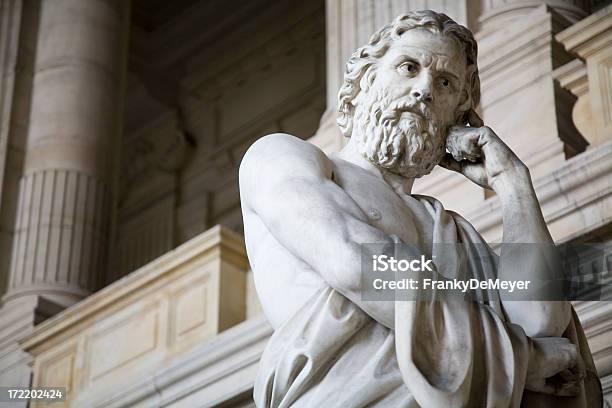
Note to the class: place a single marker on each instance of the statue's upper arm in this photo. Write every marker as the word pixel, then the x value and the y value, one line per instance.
pixel 279 162
pixel 288 184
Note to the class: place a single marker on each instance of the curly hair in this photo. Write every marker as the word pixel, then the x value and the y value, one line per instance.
pixel 360 68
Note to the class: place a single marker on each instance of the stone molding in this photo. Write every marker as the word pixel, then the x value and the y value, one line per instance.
pixel 589 36
pixel 573 77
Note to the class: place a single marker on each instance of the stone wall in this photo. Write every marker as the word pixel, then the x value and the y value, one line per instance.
pixel 180 163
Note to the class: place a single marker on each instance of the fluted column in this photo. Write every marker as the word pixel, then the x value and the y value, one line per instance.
pixel 350 23
pixel 62 227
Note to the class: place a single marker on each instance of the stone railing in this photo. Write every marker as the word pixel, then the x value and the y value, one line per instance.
pixel 143 321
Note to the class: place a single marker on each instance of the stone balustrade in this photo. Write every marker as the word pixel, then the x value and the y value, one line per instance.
pixel 143 321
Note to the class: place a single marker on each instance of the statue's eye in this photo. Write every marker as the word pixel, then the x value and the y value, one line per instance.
pixel 445 82
pixel 407 67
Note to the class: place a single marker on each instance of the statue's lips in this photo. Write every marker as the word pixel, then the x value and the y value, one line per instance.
pixel 412 108
pixel 414 112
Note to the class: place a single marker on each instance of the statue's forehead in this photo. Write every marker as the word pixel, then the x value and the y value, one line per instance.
pixel 429 47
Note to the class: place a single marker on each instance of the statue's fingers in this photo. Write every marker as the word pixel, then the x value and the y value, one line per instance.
pixel 474 120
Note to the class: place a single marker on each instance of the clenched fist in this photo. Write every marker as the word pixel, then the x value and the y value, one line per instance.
pixel 481 156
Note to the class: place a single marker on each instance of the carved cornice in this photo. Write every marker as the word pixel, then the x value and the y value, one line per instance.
pixel 573 77
pixel 590 35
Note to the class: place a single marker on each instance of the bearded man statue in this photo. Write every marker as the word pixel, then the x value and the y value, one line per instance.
pixel 407 104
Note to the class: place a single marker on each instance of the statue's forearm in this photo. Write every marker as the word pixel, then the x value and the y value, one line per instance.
pixel 522 218
pixel 528 253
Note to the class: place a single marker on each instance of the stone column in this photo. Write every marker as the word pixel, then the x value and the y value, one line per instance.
pixel 62 227
pixel 349 25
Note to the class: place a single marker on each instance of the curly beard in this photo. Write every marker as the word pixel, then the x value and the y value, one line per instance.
pixel 401 136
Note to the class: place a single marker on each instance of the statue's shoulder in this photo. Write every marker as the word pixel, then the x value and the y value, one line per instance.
pixel 287 154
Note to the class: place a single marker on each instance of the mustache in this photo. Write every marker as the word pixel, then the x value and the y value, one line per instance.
pixel 395 109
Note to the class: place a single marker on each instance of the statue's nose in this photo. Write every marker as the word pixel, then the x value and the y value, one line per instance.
pixel 421 89
pixel 422 94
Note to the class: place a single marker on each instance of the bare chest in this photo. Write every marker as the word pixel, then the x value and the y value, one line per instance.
pixel 396 214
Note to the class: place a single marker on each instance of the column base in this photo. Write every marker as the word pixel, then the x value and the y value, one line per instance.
pixel 61 295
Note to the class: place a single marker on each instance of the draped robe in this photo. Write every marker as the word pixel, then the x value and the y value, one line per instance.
pixel 442 353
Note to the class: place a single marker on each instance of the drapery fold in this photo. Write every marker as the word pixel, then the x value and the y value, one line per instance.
pixel 443 352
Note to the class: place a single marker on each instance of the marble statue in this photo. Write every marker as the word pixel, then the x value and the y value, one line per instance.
pixel 407 104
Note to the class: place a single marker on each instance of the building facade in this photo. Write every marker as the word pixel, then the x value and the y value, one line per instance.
pixel 123 272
